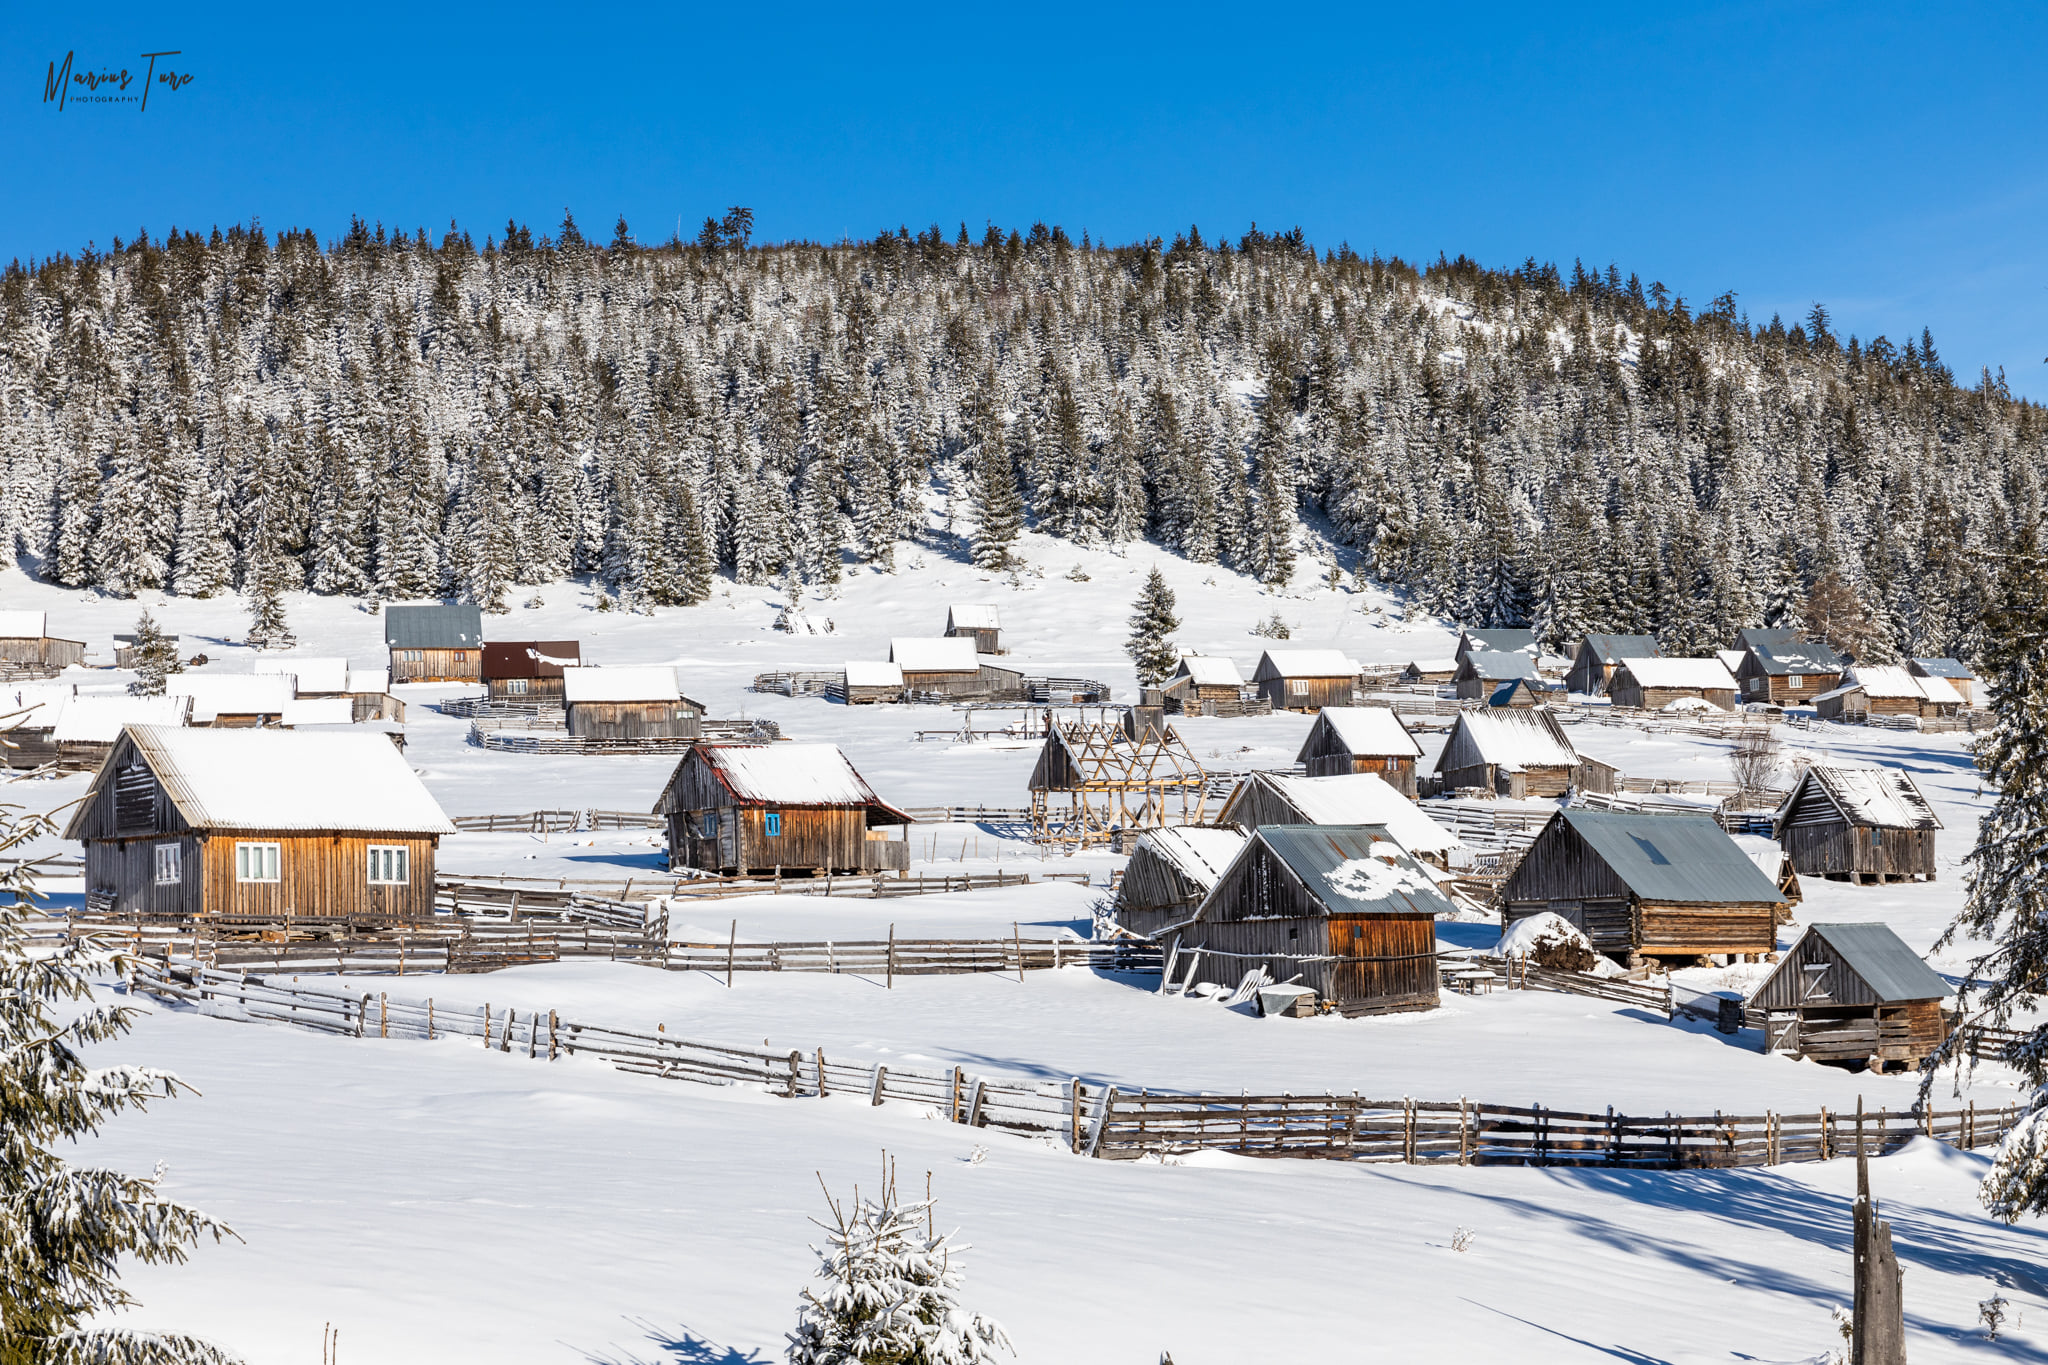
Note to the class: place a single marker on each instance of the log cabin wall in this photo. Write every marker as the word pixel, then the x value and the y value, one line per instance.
pixel 319 876
pixel 1680 930
pixel 735 839
pixel 1397 772
pixel 1840 849
pixel 868 696
pixel 1561 874
pixel 436 665
pixel 1154 893
pixel 120 874
pixel 1627 692
pixel 1307 694
pixel 987 639
pixel 525 687
pixel 633 720
pixel 28 748
pixel 1480 775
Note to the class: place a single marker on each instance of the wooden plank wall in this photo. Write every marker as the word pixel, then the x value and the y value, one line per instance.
pixel 437 665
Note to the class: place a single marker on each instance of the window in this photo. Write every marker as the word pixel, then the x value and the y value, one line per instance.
pixel 1794 681
pixel 773 819
pixel 708 827
pixel 462 656
pixel 411 656
pixel 255 862
pixel 169 872
pixel 1299 686
pixel 516 686
pixel 390 865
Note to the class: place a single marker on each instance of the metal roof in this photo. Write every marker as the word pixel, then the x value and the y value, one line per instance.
pixel 444 626
pixel 1878 955
pixel 1352 869
pixel 1945 668
pixel 1685 858
pixel 530 658
pixel 1612 649
pixel 1498 639
pixel 1504 694
pixel 1796 656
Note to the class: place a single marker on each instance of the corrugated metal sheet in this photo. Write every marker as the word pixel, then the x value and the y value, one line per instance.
pixel 459 626
pixel 1791 655
pixel 1878 955
pixel 1612 649
pixel 529 658
pixel 1945 668
pixel 1683 858
pixel 1503 639
pixel 1497 664
pixel 1355 869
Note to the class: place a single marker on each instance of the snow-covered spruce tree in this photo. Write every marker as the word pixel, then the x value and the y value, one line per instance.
pixel 156 657
pixel 1152 624
pixel 64 1229
pixel 2007 882
pixel 267 626
pixel 888 1292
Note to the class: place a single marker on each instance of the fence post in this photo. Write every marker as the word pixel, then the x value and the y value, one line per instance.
pixel 487 1026
pixel 731 945
pixel 1018 936
pixel 875 1086
pixel 383 1016
pixel 1074 1098
pixel 889 983
pixel 430 1018
pixel 1102 1124
pixel 551 1035
pixel 795 1061
pixel 821 1073
pixel 955 1112
pixel 363 1014
pixel 505 1034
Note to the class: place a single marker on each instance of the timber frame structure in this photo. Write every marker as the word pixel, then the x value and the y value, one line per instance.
pixel 1092 780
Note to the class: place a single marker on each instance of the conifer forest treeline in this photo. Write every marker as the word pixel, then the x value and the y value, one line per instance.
pixel 391 417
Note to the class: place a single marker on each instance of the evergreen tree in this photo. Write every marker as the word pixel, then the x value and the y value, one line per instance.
pixel 998 506
pixel 156 657
pixel 264 587
pixel 1151 651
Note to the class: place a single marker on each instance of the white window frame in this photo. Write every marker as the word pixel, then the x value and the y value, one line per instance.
pixel 389 865
pixel 170 865
pixel 258 862
pixel 1298 686
pixel 1795 681
pixel 410 656
pixel 515 687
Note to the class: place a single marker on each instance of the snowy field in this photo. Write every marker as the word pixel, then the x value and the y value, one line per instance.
pixel 440 1204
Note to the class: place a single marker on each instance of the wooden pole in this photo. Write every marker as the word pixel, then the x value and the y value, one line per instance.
pixel 821 1073
pixel 1076 1093
pixel 383 1016
pixel 552 1019
pixel 889 982
pixel 731 946
pixel 430 1018
pixel 1018 935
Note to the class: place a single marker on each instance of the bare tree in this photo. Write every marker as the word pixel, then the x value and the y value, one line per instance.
pixel 1758 759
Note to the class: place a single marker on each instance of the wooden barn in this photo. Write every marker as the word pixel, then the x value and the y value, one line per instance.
pixel 1778 666
pixel 628 703
pixel 513 669
pixel 1640 885
pixel 792 808
pixel 942 667
pixel 1438 671
pixel 441 643
pixel 976 621
pixel 89 727
pixel 1305 679
pixel 1651 683
pixel 183 823
pixel 1873 690
pixel 1954 672
pixel 1361 739
pixel 1169 872
pixel 1529 691
pixel 27 648
pixel 231 701
pixel 1093 783
pixel 1517 754
pixel 1481 673
pixel 1204 685
pixel 28 722
pixel 1860 825
pixel 1599 655
pixel 1348 799
pixel 1340 907
pixel 1496 640
pixel 1850 993
pixel 867 682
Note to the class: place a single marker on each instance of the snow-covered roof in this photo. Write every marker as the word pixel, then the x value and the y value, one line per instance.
pixel 972 616
pixel 934 654
pixel 1516 739
pixel 1198 852
pixel 1374 730
pixel 871 673
pixel 1888 681
pixel 369 680
pixel 317 711
pixel 1706 674
pixel 1499 663
pixel 22 625
pixel 281 780
pixel 44 702
pixel 1210 670
pixel 1363 799
pixel 1939 690
pixel 1345 869
pixel 314 675
pixel 230 694
pixel 1497 639
pixel 1612 649
pixel 1420 666
pixel 788 774
pixel 1731 659
pixel 99 720
pixel 1880 798
pixel 655 683
pixel 1779 656
pixel 1306 663
pixel 1945 668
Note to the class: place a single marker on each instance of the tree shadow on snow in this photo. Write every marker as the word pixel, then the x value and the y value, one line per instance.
pixel 681 1347
pixel 1618 1352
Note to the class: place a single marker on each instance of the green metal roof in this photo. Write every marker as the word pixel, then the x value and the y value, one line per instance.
pixel 1933 668
pixel 1891 969
pixel 1685 858
pixel 1338 865
pixel 1612 649
pixel 437 627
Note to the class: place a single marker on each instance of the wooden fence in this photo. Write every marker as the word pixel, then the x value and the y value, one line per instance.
pixel 552 821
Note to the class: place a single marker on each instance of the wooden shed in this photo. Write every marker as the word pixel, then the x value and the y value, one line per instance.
pixel 1642 885
pixel 1517 754
pixel 867 682
pixel 796 808
pixel 1651 683
pixel 1887 690
pixel 528 668
pixel 27 647
pixel 938 666
pixel 369 695
pixel 629 703
pixel 1954 672
pixel 1348 799
pixel 1482 672
pixel 233 700
pixel 441 643
pixel 88 727
pixel 1306 679
pixel 1496 640
pixel 1860 825
pixel 1529 691
pixel 1597 656
pixel 1850 993
pixel 1361 739
pixel 1778 666
pixel 976 621
pixel 1169 872
pixel 1340 907
pixel 1204 685
pixel 184 823
pixel 1438 671
pixel 28 722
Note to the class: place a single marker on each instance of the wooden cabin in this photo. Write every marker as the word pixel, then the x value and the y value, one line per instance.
pixel 976 621
pixel 1954 672
pixel 513 669
pixel 26 646
pixel 792 808
pixel 1482 672
pixel 28 722
pixel 88 727
pixel 1345 799
pixel 867 682
pixel 943 667
pixel 232 701
pixel 1438 671
pixel 1853 993
pixel 1859 825
pixel 440 643
pixel 369 694
pixel 1642 885
pixel 1597 656
pixel 1306 679
pixel 1169 872
pixel 1361 739
pixel 1516 754
pixel 1526 692
pixel 127 649
pixel 1872 690
pixel 182 824
pixel 1340 907
pixel 629 703
pixel 1652 683
pixel 1204 685
pixel 1496 640
pixel 1778 666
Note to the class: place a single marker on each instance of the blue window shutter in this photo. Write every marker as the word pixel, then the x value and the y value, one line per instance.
pixel 774 823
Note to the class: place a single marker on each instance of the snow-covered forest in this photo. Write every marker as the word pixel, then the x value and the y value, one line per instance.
pixel 396 418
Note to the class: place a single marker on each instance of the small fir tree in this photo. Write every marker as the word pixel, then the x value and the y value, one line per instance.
pixel 1151 650
pixel 156 658
pixel 63 1229
pixel 267 626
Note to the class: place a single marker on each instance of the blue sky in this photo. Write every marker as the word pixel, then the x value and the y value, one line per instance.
pixel 1887 163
